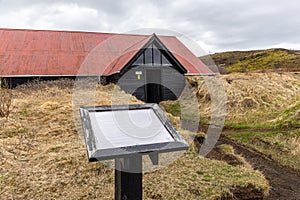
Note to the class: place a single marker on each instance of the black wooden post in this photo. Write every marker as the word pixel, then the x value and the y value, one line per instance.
pixel 128 178
pixel 128 159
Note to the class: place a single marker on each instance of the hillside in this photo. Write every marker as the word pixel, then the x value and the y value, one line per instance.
pixel 258 60
pixel 262 122
pixel 263 105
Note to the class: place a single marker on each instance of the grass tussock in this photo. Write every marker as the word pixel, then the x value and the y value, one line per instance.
pixel 200 178
pixel 255 100
pixel 5 99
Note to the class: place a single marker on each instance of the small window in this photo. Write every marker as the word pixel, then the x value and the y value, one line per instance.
pixel 156 55
pixel 139 60
pixel 152 56
pixel 164 60
pixel 148 56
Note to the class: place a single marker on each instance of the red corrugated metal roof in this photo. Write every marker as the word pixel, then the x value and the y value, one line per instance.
pixel 189 61
pixel 58 53
pixel 111 55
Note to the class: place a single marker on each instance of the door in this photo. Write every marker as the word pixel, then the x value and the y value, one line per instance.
pixel 153 85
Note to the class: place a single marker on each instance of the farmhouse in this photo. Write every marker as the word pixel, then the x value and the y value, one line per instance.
pixel 150 67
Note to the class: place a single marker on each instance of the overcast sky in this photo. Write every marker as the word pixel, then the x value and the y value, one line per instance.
pixel 217 25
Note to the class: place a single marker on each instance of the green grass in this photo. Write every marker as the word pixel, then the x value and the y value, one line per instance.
pixel 282 146
pixel 180 110
pixel 226 148
pixel 268 119
pixel 172 107
pixel 255 120
pixel 290 118
pixel 248 125
pixel 268 59
pixel 245 136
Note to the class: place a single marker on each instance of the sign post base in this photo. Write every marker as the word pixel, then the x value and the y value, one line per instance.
pixel 128 178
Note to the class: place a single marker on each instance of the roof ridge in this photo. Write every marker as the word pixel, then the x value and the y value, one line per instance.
pixel 119 58
pixel 148 37
pixel 72 31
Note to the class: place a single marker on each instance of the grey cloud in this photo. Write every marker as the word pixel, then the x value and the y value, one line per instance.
pixel 220 25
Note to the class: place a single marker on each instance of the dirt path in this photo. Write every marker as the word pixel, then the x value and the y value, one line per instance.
pixel 284 181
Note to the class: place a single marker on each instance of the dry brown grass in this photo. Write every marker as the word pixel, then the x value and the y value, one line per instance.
pixel 192 177
pixel 5 99
pixel 42 157
pixel 261 101
pixel 254 99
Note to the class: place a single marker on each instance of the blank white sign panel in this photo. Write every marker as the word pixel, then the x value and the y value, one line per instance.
pixel 123 128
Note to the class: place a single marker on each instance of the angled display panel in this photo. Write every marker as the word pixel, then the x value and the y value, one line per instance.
pixel 120 131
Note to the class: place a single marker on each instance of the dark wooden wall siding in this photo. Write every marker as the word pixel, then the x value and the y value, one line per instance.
pixel 172 82
pixel 140 93
pixel 130 83
pixel 15 81
pixel 114 78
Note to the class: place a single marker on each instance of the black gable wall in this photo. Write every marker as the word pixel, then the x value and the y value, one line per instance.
pixel 153 76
